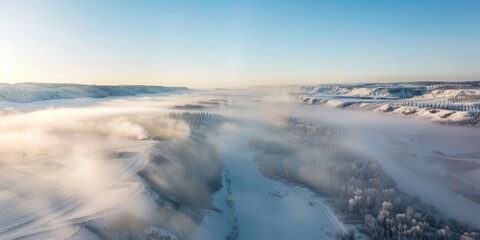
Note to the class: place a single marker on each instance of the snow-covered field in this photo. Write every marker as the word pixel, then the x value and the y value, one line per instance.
pixel 183 166
pixel 444 102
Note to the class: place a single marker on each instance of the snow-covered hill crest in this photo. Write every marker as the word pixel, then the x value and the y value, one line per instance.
pixel 30 92
pixel 445 102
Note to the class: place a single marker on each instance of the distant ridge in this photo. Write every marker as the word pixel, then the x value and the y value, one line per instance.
pixel 31 92
pixel 443 102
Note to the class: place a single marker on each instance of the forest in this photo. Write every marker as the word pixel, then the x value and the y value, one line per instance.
pixel 359 190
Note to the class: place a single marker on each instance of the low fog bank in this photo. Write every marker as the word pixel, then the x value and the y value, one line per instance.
pixel 412 153
pixel 113 169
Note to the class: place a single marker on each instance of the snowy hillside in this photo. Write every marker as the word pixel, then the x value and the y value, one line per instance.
pixel 445 102
pixel 30 92
pixel 366 90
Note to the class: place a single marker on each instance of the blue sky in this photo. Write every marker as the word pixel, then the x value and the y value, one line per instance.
pixel 238 43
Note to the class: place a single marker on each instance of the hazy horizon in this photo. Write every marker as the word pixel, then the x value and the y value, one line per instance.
pixel 238 44
pixel 247 86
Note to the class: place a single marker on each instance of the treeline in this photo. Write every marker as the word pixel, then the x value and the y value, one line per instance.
pixel 188 106
pixel 457 103
pixel 195 120
pixel 365 195
pixel 311 136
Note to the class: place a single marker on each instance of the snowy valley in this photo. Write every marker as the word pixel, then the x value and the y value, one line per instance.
pixel 238 164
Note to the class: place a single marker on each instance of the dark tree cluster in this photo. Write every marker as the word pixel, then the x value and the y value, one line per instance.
pixel 188 106
pixel 196 120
